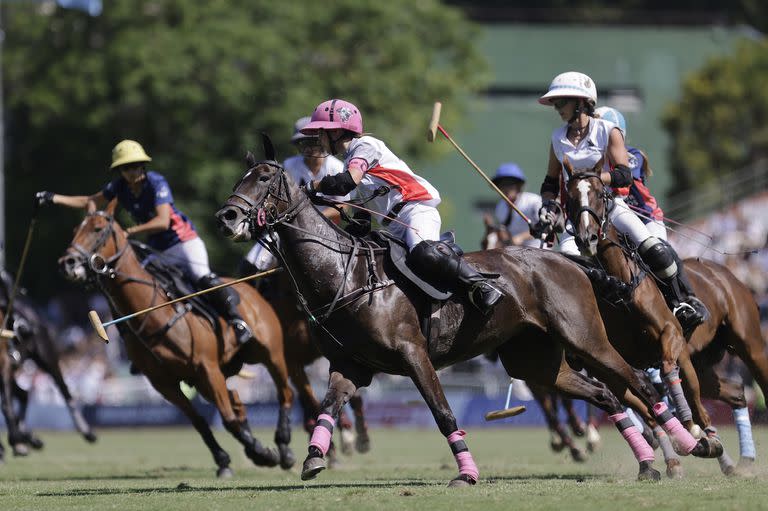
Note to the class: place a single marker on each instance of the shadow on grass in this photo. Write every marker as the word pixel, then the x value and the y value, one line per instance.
pixel 376 483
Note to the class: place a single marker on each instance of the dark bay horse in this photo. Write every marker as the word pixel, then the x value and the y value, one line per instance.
pixel 33 342
pixel 550 402
pixel 302 350
pixel 368 313
pixel 734 321
pixel 171 345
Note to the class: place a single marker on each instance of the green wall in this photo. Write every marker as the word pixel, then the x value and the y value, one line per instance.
pixel 512 126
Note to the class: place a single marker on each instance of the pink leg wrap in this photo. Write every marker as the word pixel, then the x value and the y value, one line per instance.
pixel 464 459
pixel 321 435
pixel 634 438
pixel 673 428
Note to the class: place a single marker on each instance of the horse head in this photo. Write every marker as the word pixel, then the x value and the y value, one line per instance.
pixel 265 196
pixel 587 205
pixel 97 244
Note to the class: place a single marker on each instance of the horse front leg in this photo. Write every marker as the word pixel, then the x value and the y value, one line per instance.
pixel 363 441
pixel 22 396
pixel 425 378
pixel 340 391
pixel 15 437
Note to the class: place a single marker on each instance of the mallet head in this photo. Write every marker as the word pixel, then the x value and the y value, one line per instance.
pixel 98 326
pixel 434 122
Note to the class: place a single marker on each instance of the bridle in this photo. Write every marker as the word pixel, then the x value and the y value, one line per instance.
pixel 97 264
pixel 608 204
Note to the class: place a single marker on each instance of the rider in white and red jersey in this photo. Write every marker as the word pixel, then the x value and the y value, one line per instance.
pixel 370 167
pixel 585 141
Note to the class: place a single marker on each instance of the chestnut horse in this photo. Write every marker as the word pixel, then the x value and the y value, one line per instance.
pixel 369 314
pixel 171 345
pixel 647 331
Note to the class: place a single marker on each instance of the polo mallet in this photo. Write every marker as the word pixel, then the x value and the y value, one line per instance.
pixel 101 327
pixel 507 411
pixel 434 127
pixel 4 332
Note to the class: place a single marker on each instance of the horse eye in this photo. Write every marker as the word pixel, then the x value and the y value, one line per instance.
pixel 98 229
pixel 263 179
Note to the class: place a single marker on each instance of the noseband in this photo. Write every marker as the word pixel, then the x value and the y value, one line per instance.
pixel 265 213
pixel 96 262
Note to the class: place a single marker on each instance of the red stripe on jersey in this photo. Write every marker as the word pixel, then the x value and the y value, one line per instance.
pixel 649 199
pixel 410 188
pixel 182 229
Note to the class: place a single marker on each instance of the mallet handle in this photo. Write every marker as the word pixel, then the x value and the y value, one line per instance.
pixel 474 165
pixel 191 295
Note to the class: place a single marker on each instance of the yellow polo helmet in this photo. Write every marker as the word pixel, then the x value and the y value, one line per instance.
pixel 128 151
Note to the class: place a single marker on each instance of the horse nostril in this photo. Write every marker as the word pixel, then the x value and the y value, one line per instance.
pixel 229 215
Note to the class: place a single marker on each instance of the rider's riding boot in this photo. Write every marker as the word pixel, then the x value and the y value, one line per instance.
pixel 667 267
pixel 439 263
pixel 225 300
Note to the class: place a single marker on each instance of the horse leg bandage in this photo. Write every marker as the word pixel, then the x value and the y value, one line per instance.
pixel 634 438
pixel 463 457
pixel 675 389
pixel 323 432
pixel 666 446
pixel 674 429
pixel 744 427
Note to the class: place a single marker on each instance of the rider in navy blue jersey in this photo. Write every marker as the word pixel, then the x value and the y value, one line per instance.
pixel 147 197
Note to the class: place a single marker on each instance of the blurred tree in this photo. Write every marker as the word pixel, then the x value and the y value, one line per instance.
pixel 720 124
pixel 195 82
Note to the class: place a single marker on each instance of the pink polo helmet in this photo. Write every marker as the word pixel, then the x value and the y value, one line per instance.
pixel 335 113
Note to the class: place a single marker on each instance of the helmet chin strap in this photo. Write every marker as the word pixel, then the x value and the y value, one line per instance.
pixel 576 112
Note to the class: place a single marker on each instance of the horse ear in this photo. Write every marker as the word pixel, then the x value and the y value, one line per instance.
pixel 110 209
pixel 269 149
pixel 250 160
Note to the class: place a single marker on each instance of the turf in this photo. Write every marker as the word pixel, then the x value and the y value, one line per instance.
pixel 170 469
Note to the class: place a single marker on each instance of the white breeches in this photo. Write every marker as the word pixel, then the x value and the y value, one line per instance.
pixel 424 221
pixel 262 258
pixel 191 256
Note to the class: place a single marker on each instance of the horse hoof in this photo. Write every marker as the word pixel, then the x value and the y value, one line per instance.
pixel 696 432
pixel 649 474
pixel 35 443
pixel 264 457
pixel 708 447
pixel 730 471
pixel 347 442
pixel 577 455
pixel 287 458
pixel 363 443
pixel 90 437
pixel 20 450
pixel 312 467
pixel 461 480
pixel 224 473
pixel 674 469
pixel 579 429
pixel 556 446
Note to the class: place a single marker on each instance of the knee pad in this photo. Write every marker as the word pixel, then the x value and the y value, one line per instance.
pixel 659 257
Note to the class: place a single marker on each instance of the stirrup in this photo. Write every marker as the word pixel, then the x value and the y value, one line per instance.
pixel 243 332
pixel 688 317
pixel 489 295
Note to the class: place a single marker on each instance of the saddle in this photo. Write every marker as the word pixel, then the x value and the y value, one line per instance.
pixel 607 287
pixel 175 284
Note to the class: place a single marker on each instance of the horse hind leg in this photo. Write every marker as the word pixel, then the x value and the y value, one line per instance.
pixel 578 427
pixel 362 440
pixel 278 370
pixel 22 396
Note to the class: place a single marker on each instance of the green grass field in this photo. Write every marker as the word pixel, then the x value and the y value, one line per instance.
pixel 170 469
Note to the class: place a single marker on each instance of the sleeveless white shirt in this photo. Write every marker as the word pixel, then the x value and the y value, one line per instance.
pixel 589 150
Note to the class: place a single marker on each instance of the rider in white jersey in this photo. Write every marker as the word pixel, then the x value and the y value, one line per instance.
pixel 310 164
pixel 585 140
pixel 395 192
pixel 510 179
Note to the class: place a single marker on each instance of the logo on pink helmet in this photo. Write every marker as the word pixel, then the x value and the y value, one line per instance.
pixel 335 114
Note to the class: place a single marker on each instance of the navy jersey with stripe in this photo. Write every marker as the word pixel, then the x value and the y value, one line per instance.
pixel 154 192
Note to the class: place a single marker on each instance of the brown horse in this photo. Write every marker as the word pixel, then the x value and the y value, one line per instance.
pixel 369 314
pixel 33 342
pixel 647 328
pixel 171 345
pixel 497 236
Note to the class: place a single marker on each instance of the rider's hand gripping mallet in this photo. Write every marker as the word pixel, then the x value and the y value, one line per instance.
pixel 101 327
pixel 507 411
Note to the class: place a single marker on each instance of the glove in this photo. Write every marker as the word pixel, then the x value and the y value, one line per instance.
pixel 548 212
pixel 310 190
pixel 43 199
pixel 550 221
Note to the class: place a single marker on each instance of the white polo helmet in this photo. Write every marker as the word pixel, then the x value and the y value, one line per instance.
pixel 570 85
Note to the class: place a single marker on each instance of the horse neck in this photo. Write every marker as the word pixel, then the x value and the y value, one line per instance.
pixel 129 290
pixel 313 252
